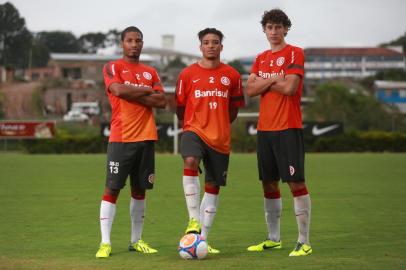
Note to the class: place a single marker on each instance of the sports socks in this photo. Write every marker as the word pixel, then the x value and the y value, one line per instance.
pixel 208 209
pixel 273 210
pixel 191 188
pixel 137 213
pixel 302 204
pixel 107 213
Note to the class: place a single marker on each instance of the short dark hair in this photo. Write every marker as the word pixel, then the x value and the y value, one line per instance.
pixel 276 16
pixel 130 29
pixel 206 31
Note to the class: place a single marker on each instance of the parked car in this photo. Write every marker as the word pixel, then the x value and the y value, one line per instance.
pixel 89 108
pixel 75 116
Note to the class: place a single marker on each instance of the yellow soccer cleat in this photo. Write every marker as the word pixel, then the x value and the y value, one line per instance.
pixel 267 244
pixel 142 247
pixel 301 250
pixel 212 250
pixel 104 251
pixel 193 226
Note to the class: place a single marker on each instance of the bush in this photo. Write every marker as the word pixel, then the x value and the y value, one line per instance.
pixel 67 144
pixel 373 141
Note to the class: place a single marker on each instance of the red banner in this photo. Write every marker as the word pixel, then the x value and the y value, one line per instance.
pixel 27 130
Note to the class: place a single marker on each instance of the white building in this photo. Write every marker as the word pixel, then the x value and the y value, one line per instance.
pixel 325 63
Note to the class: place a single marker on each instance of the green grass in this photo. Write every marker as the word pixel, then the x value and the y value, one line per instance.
pixel 49 209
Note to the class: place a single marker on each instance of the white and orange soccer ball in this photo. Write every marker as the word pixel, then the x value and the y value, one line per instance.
pixel 192 246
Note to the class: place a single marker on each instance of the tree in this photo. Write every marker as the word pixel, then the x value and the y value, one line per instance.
pixel 176 63
pixel 400 41
pixel 91 42
pixel 355 108
pixel 59 41
pixel 113 38
pixel 15 39
pixel 384 75
pixel 40 54
pixel 238 66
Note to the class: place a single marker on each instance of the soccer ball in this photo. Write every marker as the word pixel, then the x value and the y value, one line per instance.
pixel 192 246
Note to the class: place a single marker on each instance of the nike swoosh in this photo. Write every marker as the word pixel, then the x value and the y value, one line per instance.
pixel 195 81
pixel 104 218
pixel 319 131
pixel 190 194
pixel 266 247
pixel 125 71
pixel 307 251
pixel 171 132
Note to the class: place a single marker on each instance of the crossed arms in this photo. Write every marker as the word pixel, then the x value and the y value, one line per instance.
pixel 143 95
pixel 286 85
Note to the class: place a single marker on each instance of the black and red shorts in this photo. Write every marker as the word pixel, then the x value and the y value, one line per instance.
pixel 215 163
pixel 281 155
pixel 134 159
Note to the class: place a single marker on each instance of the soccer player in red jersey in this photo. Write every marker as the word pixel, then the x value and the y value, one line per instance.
pixel 133 90
pixel 208 96
pixel 277 76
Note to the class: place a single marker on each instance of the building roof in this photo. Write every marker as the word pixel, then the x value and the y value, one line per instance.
pixel 92 57
pixel 352 52
pixel 390 84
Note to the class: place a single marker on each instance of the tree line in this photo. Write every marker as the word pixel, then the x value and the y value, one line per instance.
pixel 21 48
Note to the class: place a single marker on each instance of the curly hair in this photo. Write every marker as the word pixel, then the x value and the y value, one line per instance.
pixel 275 16
pixel 214 31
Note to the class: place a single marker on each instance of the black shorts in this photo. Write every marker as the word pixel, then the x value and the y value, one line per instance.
pixel 215 163
pixel 136 159
pixel 281 155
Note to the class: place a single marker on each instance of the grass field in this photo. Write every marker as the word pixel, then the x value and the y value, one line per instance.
pixel 49 207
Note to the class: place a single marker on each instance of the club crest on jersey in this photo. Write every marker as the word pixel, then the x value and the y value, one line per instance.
pixel 147 75
pixel 151 178
pixel 280 61
pixel 225 80
pixel 291 170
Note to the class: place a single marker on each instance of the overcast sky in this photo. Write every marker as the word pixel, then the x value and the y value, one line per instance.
pixel 315 23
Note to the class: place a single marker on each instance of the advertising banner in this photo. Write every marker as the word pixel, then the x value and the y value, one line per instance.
pixel 27 130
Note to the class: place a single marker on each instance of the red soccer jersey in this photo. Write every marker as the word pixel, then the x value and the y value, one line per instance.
pixel 207 95
pixel 131 121
pixel 278 111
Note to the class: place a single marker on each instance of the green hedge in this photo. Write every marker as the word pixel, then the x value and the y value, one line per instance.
pixel 374 141
pixel 67 144
pixel 350 142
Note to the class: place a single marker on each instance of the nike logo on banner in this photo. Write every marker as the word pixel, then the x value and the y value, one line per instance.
pixel 195 81
pixel 320 131
pixel 252 130
pixel 171 131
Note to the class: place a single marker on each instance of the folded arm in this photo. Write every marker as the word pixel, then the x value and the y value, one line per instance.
pixel 257 85
pixel 286 85
pixel 143 95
